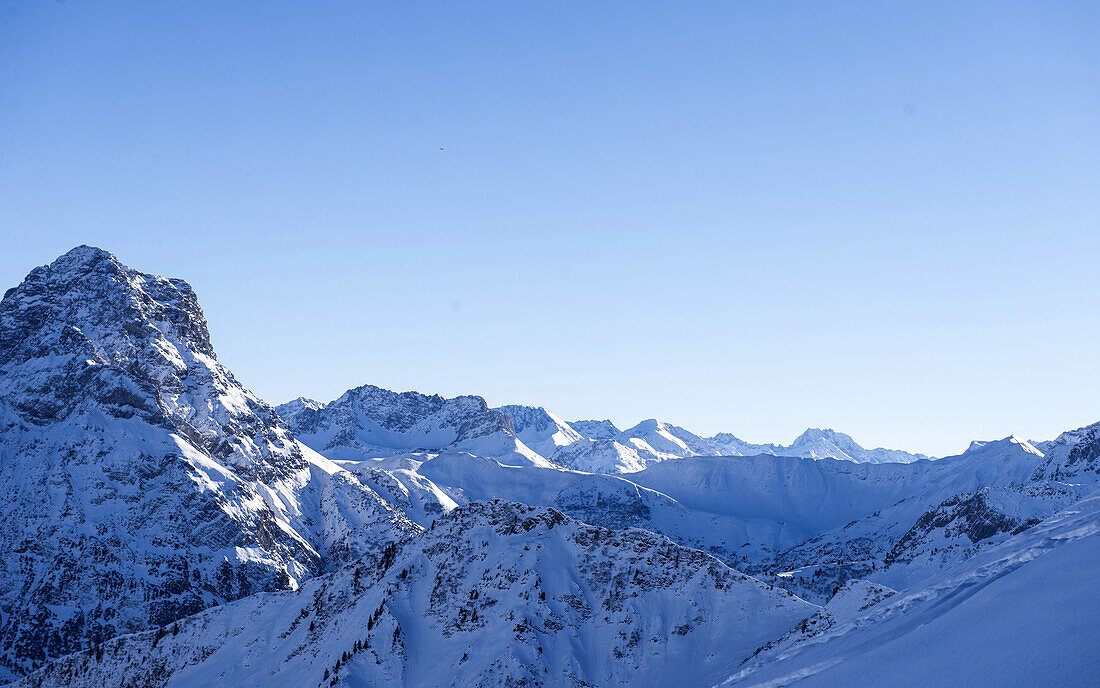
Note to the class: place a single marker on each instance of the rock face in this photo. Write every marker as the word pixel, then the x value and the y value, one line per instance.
pixel 146 482
pixel 370 422
pixel 496 594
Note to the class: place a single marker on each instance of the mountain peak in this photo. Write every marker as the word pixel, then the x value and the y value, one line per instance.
pixel 1012 442
pixel 821 433
pixel 371 422
pixel 87 303
pixel 82 255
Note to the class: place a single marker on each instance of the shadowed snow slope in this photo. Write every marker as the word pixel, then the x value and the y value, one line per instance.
pixel 1019 614
pixel 495 594
pixel 141 482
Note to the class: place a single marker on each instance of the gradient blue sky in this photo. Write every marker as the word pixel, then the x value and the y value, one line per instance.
pixel 746 217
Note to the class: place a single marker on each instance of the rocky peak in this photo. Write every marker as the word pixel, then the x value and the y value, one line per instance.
pixel 87 297
pixel 148 483
pixel 596 429
pixel 86 334
pixel 823 435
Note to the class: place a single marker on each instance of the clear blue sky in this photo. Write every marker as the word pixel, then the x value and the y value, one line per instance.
pixel 746 217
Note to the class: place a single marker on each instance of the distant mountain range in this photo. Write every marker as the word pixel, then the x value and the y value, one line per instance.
pixel 369 422
pixel 166 527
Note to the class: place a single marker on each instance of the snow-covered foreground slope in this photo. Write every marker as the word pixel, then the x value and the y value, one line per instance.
pixel 496 594
pixel 1022 613
pixel 140 481
pixel 369 422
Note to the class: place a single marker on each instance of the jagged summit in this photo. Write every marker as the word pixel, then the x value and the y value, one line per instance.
pixel 299 405
pixel 818 443
pixel 87 297
pixel 82 255
pixel 540 429
pixel 596 429
pixel 1074 454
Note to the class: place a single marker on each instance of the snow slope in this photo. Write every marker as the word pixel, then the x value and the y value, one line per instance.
pixel 1022 613
pixel 816 495
pixel 496 594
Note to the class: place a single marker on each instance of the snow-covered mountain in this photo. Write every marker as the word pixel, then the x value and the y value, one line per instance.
pixel 598 446
pixel 813 443
pixel 370 422
pixel 1073 456
pixel 168 528
pixel 565 446
pixel 539 429
pixel 141 482
pixel 987 495
pixel 496 594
